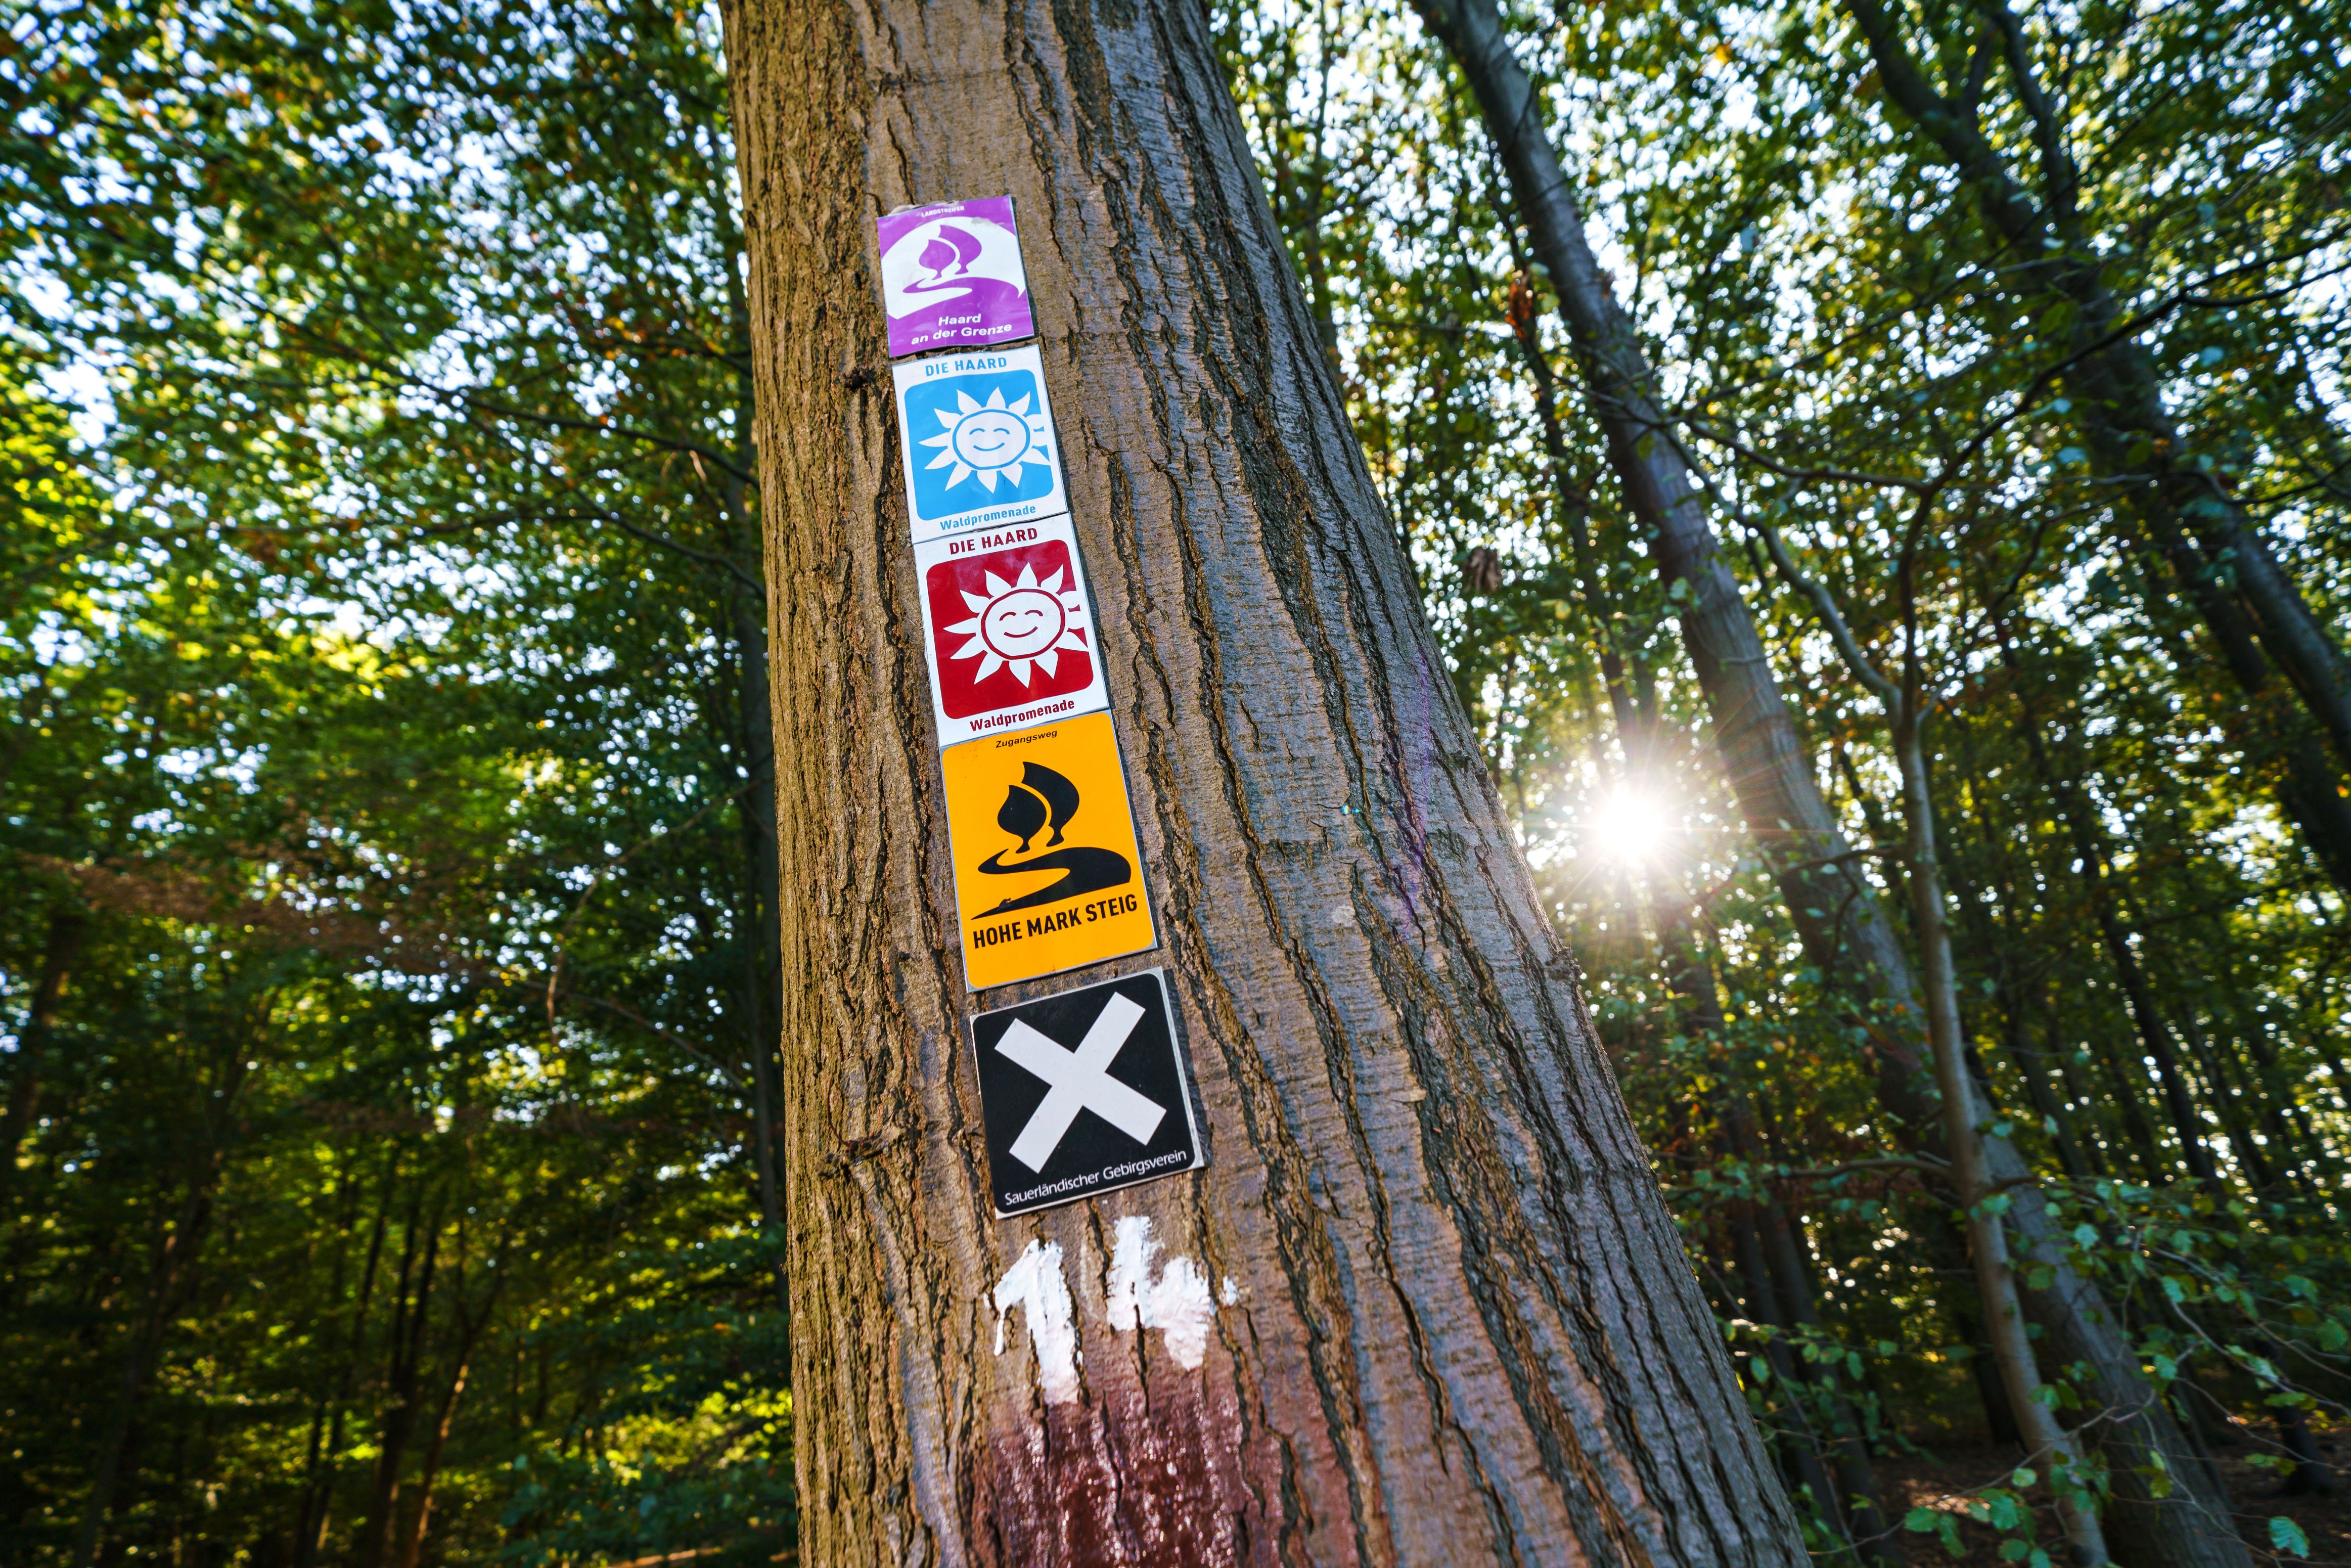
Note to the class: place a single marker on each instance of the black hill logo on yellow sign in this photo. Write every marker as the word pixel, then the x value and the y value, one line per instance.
pixel 1048 877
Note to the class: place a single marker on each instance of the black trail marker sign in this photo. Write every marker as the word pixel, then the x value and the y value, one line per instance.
pixel 1083 1093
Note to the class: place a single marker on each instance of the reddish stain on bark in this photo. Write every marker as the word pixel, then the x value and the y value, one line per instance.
pixel 1143 1468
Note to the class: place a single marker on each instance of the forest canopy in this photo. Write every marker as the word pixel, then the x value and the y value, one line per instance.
pixel 389 986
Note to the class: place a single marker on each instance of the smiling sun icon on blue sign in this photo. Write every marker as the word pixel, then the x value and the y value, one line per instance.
pixel 988 441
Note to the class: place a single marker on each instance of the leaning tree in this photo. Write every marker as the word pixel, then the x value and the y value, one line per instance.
pixel 1423 1302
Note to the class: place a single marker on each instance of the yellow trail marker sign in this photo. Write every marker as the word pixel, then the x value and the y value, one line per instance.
pixel 1048 877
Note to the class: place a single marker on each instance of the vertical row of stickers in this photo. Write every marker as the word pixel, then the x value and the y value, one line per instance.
pixel 1082 1092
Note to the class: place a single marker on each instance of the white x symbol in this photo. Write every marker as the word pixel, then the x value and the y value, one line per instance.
pixel 1080 1081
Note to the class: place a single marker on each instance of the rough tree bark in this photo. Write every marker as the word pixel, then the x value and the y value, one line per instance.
pixel 1451 1321
pixel 1833 908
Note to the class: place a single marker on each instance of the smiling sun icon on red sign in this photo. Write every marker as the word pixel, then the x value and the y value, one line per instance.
pixel 1010 643
pixel 1018 624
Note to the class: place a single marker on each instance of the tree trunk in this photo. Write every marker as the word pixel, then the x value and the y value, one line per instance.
pixel 318 1488
pixel 747 602
pixel 1845 1442
pixel 1832 905
pixel 412 1534
pixel 169 1262
pixel 1992 931
pixel 1801 1446
pixel 2047 1443
pixel 1451 1319
pixel 30 1060
pixel 404 1381
pixel 171 1259
pixel 1963 1089
pixel 764 983
pixel 2079 818
pixel 1845 928
pixel 322 1400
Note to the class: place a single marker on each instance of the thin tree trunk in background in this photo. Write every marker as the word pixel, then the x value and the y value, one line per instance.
pixel 174 1254
pixel 2312 1475
pixel 2077 1093
pixel 471 1322
pixel 2078 816
pixel 1845 1443
pixel 766 981
pixel 322 1401
pixel 2289 1123
pixel 1451 1321
pixel 1830 901
pixel 1764 760
pixel 1778 1283
pixel 171 1259
pixel 2306 780
pixel 412 1534
pixel 1851 1505
pixel 1992 931
pixel 2000 1429
pixel 754 706
pixel 318 1497
pixel 2228 1100
pixel 1802 1445
pixel 2048 1444
pixel 29 1061
pixel 403 1382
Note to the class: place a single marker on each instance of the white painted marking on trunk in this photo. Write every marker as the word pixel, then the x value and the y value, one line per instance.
pixel 1177 1302
pixel 1035 1285
pixel 1232 1294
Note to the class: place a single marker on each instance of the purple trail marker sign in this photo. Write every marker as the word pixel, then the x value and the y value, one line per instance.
pixel 951 276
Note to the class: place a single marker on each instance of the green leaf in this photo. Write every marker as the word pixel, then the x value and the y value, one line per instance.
pixel 2286 1536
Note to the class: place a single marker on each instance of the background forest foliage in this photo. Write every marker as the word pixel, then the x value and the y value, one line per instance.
pixel 389 948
